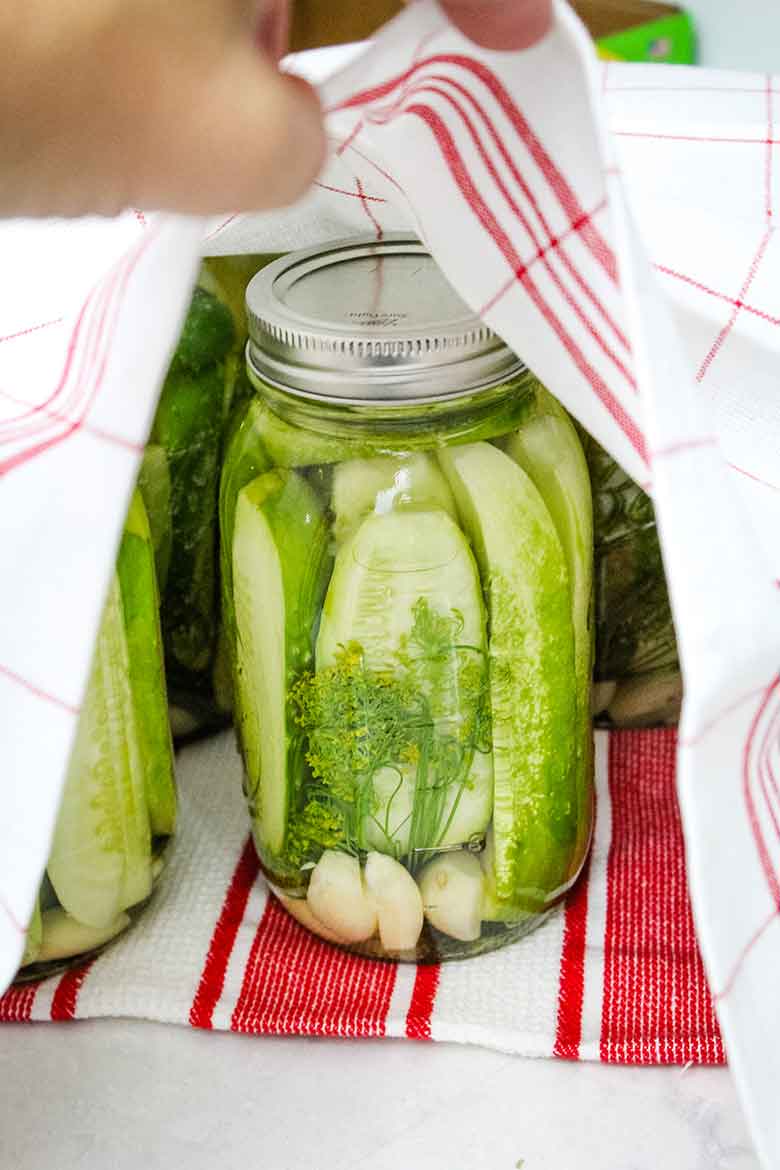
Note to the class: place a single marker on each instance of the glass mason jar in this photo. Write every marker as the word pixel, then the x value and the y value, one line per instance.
pixel 407 554
pixel 637 672
pixel 179 479
pixel 118 808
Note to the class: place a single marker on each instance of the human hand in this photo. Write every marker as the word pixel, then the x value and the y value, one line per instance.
pixel 501 24
pixel 106 104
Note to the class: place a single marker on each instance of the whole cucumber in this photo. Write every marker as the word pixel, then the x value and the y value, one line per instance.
pixel 207 335
pixel 188 426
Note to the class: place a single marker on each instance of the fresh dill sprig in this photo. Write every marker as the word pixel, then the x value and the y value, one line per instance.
pixel 423 717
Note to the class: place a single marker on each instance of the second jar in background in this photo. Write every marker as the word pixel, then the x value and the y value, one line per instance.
pixel 118 808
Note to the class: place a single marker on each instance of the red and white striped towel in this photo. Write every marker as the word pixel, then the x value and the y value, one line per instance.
pixel 542 182
pixel 615 975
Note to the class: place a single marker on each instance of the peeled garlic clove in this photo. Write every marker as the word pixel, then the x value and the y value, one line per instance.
pixel 339 899
pixel 452 886
pixel 302 912
pixel 397 900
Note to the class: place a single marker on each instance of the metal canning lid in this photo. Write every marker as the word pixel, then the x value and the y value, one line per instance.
pixel 362 320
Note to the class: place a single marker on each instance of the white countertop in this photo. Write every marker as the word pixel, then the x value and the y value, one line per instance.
pixel 117 1095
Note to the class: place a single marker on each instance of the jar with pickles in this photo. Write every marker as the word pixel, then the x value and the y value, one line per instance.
pixel 407 574
pixel 637 675
pixel 118 807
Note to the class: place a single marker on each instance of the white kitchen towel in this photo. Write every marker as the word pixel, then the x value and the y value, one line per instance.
pixel 542 211
pixel 613 975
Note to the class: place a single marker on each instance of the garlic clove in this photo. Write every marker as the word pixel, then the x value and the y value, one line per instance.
pixel 338 897
pixel 452 887
pixel 398 902
pixel 300 909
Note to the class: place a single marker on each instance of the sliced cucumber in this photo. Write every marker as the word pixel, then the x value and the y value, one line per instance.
pixel 245 459
pixel 465 811
pixel 34 936
pixel 100 859
pixel 387 826
pixel 64 937
pixel 383 483
pixel 495 909
pixel 280 560
pixel 532 678
pixel 135 569
pixel 154 483
pixel 549 451
pixel 393 563
pixel 468 810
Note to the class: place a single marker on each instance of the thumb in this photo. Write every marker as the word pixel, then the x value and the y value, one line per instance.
pixel 245 138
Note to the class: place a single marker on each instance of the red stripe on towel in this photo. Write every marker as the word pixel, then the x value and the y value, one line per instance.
pixel 296 984
pixel 657 1008
pixel 418 1018
pixel 212 979
pixel 571 987
pixel 65 998
pixel 17 1003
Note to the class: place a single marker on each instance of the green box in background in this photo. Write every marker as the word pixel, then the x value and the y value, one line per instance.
pixel 639 30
